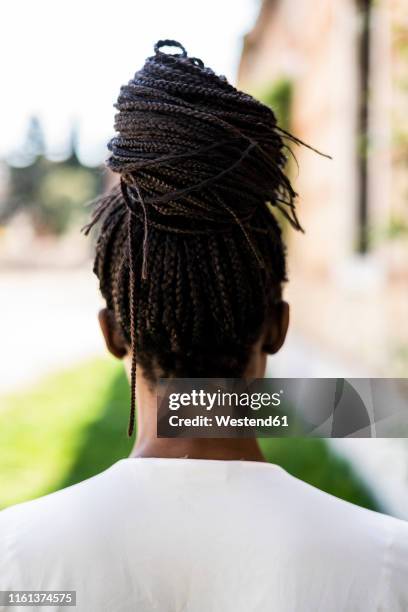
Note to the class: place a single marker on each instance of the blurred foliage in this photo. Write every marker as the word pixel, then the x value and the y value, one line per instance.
pixel 62 194
pixel 395 230
pixel 278 96
pixel 399 357
pixel 400 39
pixel 74 425
pixel 52 193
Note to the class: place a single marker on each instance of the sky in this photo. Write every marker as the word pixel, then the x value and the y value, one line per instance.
pixel 65 60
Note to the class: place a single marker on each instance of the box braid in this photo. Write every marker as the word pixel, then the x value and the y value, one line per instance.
pixel 189 256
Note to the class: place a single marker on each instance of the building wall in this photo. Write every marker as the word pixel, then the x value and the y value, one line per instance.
pixel 354 305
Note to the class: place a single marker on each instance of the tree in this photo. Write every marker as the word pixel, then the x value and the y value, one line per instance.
pixel 52 193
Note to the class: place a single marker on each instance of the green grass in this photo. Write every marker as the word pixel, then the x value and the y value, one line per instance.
pixel 73 425
pixel 69 427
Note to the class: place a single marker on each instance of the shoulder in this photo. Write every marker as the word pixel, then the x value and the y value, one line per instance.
pixel 357 540
pixel 86 499
pixel 354 550
pixel 393 590
pixel 33 534
pixel 320 522
pixel 335 514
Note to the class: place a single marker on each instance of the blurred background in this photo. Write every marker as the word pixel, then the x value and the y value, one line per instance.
pixel 337 77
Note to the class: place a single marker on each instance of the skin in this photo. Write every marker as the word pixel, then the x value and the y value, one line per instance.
pixel 147 443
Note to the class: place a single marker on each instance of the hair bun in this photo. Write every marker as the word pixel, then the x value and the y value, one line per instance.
pixel 194 153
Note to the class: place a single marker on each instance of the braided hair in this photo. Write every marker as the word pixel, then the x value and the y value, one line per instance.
pixel 189 256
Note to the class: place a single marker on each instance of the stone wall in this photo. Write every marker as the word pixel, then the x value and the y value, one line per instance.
pixel 354 305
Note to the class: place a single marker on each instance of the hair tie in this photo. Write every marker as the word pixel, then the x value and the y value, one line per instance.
pixel 169 43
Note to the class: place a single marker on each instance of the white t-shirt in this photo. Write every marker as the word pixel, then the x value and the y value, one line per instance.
pixel 186 535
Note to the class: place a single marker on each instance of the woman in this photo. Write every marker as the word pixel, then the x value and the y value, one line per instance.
pixel 191 264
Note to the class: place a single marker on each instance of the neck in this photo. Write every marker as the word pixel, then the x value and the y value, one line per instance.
pixel 149 445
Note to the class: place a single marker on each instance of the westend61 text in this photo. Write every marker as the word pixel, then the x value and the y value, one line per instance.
pixel 228 421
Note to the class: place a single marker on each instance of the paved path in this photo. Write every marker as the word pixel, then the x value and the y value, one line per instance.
pixel 48 321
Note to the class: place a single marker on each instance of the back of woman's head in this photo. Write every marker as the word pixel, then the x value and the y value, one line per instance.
pixel 190 257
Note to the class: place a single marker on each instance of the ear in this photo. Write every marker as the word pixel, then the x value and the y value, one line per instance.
pixel 276 333
pixel 115 342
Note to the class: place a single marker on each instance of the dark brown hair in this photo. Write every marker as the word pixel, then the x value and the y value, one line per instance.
pixel 190 256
